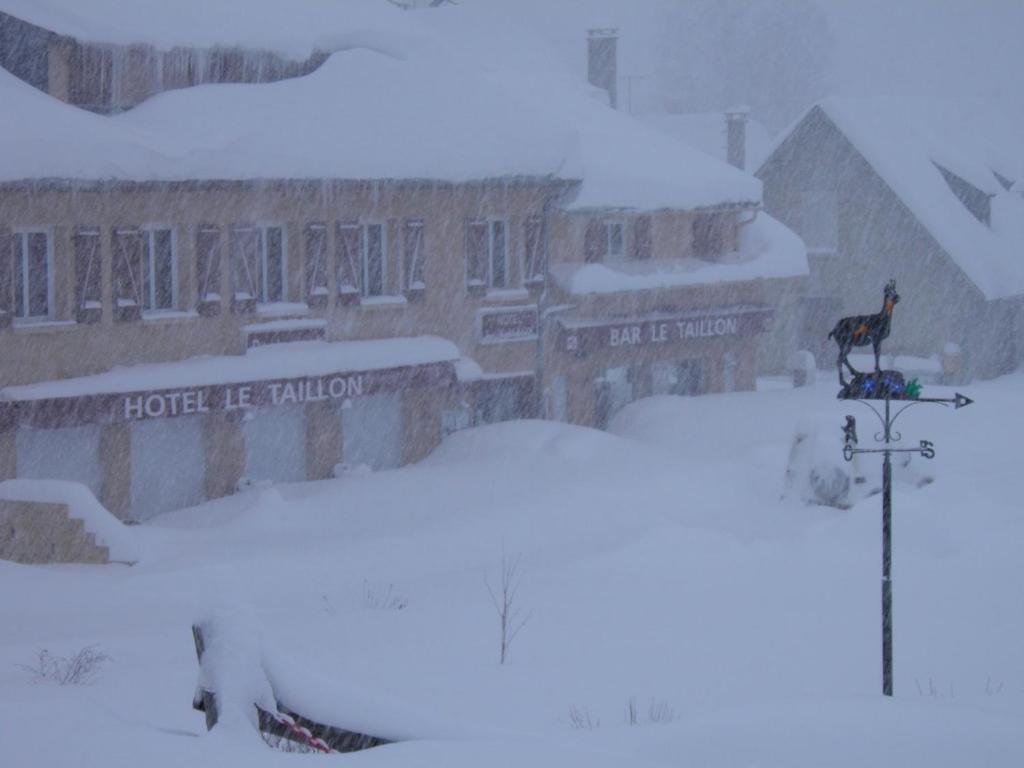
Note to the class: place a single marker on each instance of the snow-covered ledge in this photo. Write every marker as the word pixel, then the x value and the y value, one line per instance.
pixel 767 249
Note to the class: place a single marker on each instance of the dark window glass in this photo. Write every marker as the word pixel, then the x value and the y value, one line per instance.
pixel 476 252
pixel 158 270
pixel 273 278
pixel 373 284
pixel 615 247
pixel 38 275
pixel 499 255
pixel 7 281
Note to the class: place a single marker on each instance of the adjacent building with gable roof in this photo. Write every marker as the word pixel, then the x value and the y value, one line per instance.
pixel 877 195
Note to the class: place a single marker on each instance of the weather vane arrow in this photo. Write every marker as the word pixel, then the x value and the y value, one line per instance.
pixel 958 400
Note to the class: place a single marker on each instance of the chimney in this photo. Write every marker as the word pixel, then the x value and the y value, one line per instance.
pixel 602 61
pixel 736 136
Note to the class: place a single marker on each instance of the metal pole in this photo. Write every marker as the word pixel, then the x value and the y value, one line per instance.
pixel 887 561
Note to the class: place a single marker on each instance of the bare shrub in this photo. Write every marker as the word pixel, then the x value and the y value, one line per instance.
pixel 510 616
pixel 81 668
pixel 660 711
pixel 382 597
pixel 632 717
pixel 580 720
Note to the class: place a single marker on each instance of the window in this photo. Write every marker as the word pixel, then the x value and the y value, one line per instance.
pixel 31 275
pixel 535 250
pixel 487 254
pixel 615 241
pixel 643 245
pixel 362 256
pixel 604 241
pixel 6 275
pixel 709 236
pixel 272 277
pixel 208 263
pixel 819 221
pixel 412 264
pixel 258 264
pixel 316 260
pixel 373 260
pixel 159 280
pixel 88 270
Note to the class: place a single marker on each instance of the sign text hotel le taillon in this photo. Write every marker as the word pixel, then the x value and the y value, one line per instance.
pixel 233 397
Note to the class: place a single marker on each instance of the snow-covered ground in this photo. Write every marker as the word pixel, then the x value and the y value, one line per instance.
pixel 659 565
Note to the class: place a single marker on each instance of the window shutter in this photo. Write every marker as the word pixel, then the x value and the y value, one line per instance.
pixel 6 275
pixel 208 263
pixel 127 273
pixel 88 275
pixel 245 258
pixel 535 255
pixel 593 241
pixel 349 257
pixel 316 260
pixel 413 266
pixel 642 241
pixel 707 236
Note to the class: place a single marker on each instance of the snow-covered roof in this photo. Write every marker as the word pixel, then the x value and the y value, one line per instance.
pixel 312 358
pixel 706 131
pixel 907 156
pixel 41 138
pixel 767 250
pixel 292 28
pixel 397 101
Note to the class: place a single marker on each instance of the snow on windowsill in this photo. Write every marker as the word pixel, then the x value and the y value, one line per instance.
pixel 30 324
pixel 279 308
pixel 467 370
pixel 297 324
pixel 502 294
pixel 383 301
pixel 162 315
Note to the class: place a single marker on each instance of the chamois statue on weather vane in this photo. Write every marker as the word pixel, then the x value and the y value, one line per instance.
pixel 861 330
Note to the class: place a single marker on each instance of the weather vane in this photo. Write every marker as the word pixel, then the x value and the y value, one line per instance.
pixel 859 331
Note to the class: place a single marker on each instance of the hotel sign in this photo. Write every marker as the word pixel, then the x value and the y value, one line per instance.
pixel 233 398
pixel 159 405
pixel 582 337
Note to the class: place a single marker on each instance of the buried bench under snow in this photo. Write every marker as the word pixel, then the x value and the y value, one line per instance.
pixel 57 521
pixel 243 682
